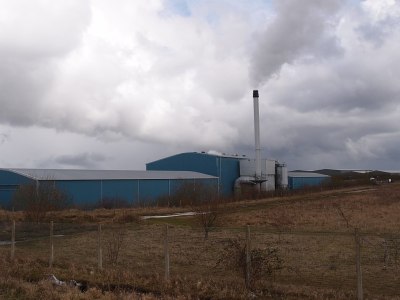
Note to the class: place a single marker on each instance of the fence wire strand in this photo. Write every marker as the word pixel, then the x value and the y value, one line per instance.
pixel 319 259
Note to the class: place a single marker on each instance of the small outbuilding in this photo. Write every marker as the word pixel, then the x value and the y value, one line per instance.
pixel 298 180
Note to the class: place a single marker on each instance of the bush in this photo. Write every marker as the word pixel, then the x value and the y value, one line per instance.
pixel 38 199
pixel 127 217
pixel 189 194
pixel 114 242
pixel 112 203
pixel 264 262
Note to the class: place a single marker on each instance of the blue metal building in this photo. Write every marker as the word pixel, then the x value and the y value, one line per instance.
pixel 299 180
pixel 90 187
pixel 225 167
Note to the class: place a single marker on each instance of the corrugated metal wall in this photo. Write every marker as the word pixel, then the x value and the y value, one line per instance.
pixel 226 168
pixel 301 182
pixel 9 183
pixel 90 193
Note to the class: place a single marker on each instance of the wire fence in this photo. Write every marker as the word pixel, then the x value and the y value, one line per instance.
pixel 357 262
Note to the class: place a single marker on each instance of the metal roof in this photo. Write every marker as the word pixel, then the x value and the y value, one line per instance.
pixel 71 174
pixel 209 153
pixel 218 154
pixel 306 174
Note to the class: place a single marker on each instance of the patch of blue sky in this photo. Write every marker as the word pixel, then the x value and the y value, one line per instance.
pixel 252 5
pixel 212 9
pixel 178 7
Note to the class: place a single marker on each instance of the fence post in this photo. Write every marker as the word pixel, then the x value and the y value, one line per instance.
pixel 12 241
pixel 166 252
pixel 248 257
pixel 51 245
pixel 358 265
pixel 99 249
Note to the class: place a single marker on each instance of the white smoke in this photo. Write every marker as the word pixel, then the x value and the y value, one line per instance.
pixel 299 28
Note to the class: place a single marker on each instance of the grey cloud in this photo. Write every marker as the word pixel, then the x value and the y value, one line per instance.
pixel 123 76
pixel 342 86
pixel 81 160
pixel 299 28
pixel 4 137
pixel 32 30
pixel 33 36
pixel 141 84
pixel 377 30
pixel 22 86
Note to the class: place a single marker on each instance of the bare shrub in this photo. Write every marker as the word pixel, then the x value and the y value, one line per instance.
pixel 341 214
pixel 37 199
pixel 112 203
pixel 264 262
pixel 114 243
pixel 391 248
pixel 126 217
pixel 207 214
pixel 192 194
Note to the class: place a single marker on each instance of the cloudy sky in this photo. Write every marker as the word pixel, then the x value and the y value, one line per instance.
pixel 115 84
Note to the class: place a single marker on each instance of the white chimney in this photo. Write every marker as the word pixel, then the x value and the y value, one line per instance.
pixel 257 135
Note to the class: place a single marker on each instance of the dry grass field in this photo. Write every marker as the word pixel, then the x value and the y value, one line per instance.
pixel 311 234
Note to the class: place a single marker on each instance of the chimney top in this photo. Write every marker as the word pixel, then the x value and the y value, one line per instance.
pixel 255 93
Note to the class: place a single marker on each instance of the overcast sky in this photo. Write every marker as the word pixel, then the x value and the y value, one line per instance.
pixel 106 84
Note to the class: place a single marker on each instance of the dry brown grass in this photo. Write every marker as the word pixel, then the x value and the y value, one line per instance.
pixel 376 210
pixel 312 232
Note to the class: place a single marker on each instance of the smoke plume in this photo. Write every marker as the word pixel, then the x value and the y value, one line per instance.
pixel 299 28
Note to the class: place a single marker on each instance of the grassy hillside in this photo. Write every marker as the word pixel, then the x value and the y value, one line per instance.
pixel 306 241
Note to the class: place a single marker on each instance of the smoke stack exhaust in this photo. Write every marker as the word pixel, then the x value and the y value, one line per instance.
pixel 257 135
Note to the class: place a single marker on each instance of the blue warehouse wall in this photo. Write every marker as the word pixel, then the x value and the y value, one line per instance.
pixel 194 184
pixel 230 171
pixel 197 162
pixel 176 184
pixel 82 192
pixel 300 182
pixel 90 193
pixel 226 168
pixel 149 190
pixel 124 190
pixel 9 183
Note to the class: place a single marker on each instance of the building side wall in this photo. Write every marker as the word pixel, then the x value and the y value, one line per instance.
pixel 82 192
pixel 196 162
pixel 226 168
pixel 124 191
pixel 177 184
pixel 301 182
pixel 9 183
pixel 91 193
pixel 150 190
pixel 229 171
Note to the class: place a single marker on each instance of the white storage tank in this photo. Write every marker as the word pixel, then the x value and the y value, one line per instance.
pixel 281 176
pixel 247 167
pixel 268 172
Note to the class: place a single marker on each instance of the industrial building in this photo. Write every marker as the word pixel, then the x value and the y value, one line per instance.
pixel 89 187
pixel 226 174
pixel 235 171
pixel 298 180
pixel 232 170
pixel 224 167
